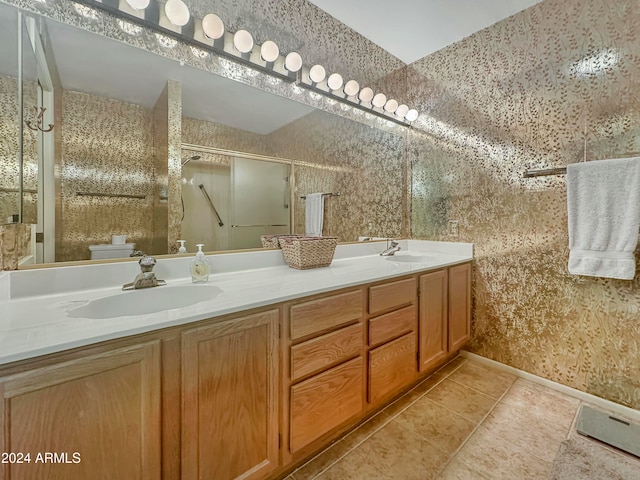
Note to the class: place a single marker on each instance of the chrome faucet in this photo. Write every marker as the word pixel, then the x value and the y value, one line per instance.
pixel 392 248
pixel 146 278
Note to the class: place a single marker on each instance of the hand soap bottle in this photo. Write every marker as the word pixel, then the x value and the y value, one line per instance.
pixel 200 267
pixel 182 248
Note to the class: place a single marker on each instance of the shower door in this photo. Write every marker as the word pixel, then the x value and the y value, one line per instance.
pixel 260 201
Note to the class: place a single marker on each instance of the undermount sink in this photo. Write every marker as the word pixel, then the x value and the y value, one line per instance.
pixel 144 301
pixel 411 257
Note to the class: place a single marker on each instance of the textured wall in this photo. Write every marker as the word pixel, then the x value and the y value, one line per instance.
pixel 529 92
pixel 107 147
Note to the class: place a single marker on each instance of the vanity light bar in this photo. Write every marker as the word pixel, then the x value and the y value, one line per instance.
pixel 173 19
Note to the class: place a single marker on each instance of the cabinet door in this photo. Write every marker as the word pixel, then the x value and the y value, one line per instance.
pixel 392 367
pixel 325 401
pixel 230 407
pixel 433 318
pixel 459 306
pixel 99 415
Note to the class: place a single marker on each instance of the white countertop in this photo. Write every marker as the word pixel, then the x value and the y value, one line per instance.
pixel 35 305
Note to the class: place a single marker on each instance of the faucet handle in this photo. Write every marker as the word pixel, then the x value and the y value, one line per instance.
pixel 147 263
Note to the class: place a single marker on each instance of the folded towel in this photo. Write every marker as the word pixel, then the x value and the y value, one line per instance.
pixel 603 200
pixel 314 214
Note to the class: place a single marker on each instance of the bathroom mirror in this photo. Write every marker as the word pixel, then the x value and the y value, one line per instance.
pixel 112 121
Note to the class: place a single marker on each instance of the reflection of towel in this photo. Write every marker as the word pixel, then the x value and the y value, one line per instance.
pixel 314 214
pixel 603 199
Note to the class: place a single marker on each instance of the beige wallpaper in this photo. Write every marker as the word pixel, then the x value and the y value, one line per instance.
pixel 107 148
pixel 530 92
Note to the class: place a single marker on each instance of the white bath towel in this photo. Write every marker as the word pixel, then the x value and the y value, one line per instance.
pixel 603 199
pixel 314 214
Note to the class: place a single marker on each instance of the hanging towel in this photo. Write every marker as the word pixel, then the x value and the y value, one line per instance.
pixel 314 214
pixel 603 200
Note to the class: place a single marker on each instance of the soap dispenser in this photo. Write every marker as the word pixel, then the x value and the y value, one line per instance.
pixel 200 267
pixel 182 248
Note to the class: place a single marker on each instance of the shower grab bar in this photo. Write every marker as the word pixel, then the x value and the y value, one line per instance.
pixel 114 195
pixel 272 225
pixel 204 192
pixel 17 190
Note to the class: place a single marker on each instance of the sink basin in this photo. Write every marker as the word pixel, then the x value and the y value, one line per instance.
pixel 144 301
pixel 412 258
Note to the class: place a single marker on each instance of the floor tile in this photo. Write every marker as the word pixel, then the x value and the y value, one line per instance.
pixel 355 466
pixel 486 380
pixel 533 418
pixel 451 366
pixel 441 427
pixel 412 396
pixel 462 400
pixel 458 470
pixel 497 458
pixel 400 453
pixel 340 448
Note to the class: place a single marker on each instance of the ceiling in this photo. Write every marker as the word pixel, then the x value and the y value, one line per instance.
pixel 413 29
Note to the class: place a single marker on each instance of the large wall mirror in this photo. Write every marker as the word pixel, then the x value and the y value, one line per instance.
pixel 149 147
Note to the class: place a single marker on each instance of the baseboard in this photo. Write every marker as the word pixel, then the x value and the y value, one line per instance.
pixel 618 409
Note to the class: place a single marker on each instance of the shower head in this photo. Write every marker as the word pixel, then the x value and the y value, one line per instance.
pixel 195 157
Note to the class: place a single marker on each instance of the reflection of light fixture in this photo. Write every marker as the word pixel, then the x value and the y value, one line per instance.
pixel 293 62
pixel 212 26
pixel 391 106
pixel 412 115
pixel 366 94
pixel 138 4
pixel 317 73
pixel 351 88
pixel 401 111
pixel 596 63
pixel 243 41
pixel 335 81
pixel 269 51
pixel 379 100
pixel 177 12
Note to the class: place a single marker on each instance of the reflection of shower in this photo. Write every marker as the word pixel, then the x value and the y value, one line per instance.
pixel 195 157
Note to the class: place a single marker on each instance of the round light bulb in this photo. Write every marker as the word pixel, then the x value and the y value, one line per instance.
pixel 177 12
pixel 138 4
pixel 379 100
pixel 335 81
pixel 317 73
pixel 401 111
pixel 293 62
pixel 212 26
pixel 366 94
pixel 391 106
pixel 269 51
pixel 412 115
pixel 243 41
pixel 351 88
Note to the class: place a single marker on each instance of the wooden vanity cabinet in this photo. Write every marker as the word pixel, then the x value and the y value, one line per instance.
pixel 445 313
pixel 392 333
pixel 325 347
pixel 230 404
pixel 100 414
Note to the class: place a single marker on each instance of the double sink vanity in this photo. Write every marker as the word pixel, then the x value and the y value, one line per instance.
pixel 243 377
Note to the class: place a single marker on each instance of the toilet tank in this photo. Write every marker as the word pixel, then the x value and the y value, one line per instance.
pixel 111 251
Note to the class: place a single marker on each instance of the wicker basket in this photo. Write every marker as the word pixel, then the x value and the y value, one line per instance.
pixel 271 241
pixel 308 252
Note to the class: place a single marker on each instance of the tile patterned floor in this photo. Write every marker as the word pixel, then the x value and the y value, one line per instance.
pixel 466 421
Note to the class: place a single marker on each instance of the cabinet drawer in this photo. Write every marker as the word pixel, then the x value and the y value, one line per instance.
pixel 390 295
pixel 391 367
pixel 321 352
pixel 391 325
pixel 325 401
pixel 325 313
